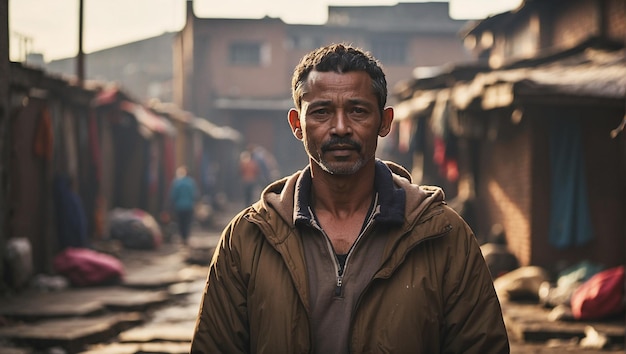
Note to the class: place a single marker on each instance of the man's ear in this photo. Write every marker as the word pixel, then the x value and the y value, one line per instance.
pixel 385 124
pixel 294 123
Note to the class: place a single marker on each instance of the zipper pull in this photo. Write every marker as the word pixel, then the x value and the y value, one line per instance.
pixel 339 284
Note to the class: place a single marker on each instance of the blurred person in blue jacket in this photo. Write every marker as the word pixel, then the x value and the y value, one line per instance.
pixel 183 195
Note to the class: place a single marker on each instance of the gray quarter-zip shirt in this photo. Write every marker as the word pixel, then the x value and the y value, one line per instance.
pixel 335 290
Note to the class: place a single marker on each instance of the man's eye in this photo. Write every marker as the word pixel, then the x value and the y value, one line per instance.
pixel 359 110
pixel 320 111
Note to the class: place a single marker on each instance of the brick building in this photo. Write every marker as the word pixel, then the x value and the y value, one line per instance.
pixel 238 72
pixel 536 126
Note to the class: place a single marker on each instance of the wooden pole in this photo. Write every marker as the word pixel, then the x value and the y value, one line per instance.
pixel 5 131
pixel 80 60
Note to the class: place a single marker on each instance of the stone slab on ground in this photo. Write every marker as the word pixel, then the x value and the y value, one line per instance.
pixel 36 305
pixel 558 347
pixel 178 313
pixel 152 280
pixel 201 255
pixel 164 332
pixel 124 299
pixel 133 348
pixel 152 270
pixel 5 349
pixel 531 323
pixel 71 334
pixel 79 302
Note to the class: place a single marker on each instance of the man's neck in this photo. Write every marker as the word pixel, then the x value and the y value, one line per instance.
pixel 342 195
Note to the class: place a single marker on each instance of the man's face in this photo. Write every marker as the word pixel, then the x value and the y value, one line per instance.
pixel 339 122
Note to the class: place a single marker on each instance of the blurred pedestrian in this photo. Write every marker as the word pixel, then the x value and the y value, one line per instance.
pixel 267 164
pixel 183 196
pixel 250 171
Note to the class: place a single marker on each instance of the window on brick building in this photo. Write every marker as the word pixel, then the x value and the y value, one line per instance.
pixel 248 53
pixel 390 50
pixel 304 42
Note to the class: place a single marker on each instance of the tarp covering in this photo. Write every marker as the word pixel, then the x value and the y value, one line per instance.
pixel 148 120
pixel 216 132
pixel 172 111
pixel 570 221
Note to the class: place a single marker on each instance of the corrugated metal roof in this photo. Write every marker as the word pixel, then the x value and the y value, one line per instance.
pixel 593 74
pixel 203 125
pixel 588 75
pixel 216 132
pixel 149 122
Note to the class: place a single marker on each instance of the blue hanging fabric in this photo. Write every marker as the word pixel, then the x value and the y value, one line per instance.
pixel 570 222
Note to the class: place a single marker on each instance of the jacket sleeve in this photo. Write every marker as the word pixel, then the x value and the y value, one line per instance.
pixel 222 323
pixel 473 316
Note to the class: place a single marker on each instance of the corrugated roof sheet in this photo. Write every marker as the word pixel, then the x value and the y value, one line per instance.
pixel 593 74
pixel 216 132
pixel 588 74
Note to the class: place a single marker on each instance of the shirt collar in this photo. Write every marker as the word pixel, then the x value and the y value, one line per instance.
pixel 391 199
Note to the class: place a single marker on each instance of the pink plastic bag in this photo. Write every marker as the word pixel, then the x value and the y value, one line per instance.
pixel 84 267
pixel 600 296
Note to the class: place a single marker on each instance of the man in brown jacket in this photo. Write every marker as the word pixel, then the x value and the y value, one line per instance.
pixel 347 255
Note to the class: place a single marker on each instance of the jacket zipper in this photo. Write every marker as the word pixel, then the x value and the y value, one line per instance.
pixel 331 252
pixel 339 272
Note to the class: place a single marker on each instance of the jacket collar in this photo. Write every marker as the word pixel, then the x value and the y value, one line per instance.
pixel 283 200
pixel 391 198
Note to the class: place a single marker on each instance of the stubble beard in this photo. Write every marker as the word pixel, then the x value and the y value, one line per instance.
pixel 341 168
pixel 335 167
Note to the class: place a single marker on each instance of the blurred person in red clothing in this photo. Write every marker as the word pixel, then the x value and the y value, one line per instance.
pixel 249 171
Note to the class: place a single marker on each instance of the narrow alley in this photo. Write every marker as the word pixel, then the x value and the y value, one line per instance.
pixel 154 309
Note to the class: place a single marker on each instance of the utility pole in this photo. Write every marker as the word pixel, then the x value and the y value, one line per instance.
pixel 5 129
pixel 23 42
pixel 80 60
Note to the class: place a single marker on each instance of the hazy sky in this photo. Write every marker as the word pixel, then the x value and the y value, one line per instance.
pixel 52 26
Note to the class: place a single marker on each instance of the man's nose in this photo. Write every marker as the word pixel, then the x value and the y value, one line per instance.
pixel 341 124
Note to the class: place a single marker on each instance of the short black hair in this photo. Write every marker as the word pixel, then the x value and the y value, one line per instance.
pixel 339 58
